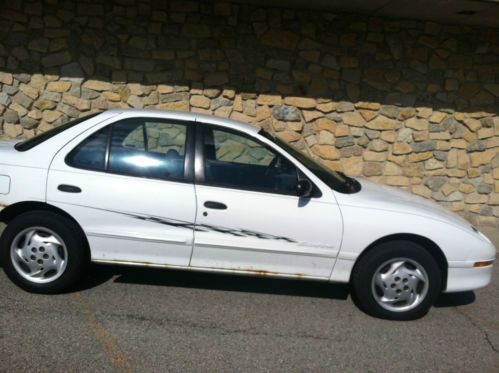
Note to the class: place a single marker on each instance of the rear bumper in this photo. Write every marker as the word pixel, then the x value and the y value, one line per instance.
pixel 465 279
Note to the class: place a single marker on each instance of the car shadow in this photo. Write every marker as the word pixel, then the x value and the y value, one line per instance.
pixel 99 274
pixel 455 299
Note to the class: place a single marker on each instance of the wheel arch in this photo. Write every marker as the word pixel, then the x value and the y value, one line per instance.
pixel 431 247
pixel 18 208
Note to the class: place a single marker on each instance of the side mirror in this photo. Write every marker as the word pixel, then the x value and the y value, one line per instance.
pixel 304 188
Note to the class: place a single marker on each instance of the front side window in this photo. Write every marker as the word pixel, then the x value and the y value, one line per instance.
pixel 335 180
pixel 236 161
pixel 144 147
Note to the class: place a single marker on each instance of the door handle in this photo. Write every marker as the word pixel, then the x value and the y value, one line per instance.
pixel 69 188
pixel 215 205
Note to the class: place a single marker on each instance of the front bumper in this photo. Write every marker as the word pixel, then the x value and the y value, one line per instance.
pixel 465 279
pixel 476 271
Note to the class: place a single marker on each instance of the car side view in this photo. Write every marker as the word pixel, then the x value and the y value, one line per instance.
pixel 190 191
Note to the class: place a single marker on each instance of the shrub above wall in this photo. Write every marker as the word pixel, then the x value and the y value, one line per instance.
pixel 408 103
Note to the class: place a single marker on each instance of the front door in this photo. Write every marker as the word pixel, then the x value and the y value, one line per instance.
pixel 249 218
pixel 127 184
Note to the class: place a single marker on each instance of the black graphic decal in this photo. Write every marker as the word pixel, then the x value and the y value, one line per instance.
pixel 201 227
pixel 207 227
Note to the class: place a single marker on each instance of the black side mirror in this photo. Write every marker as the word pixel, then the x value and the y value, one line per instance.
pixel 304 188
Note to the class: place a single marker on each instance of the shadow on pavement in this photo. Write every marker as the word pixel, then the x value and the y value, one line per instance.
pixel 455 299
pixel 99 274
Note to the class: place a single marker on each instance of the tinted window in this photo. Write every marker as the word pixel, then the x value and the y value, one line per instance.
pixel 44 136
pixel 237 161
pixel 148 148
pixel 91 153
pixel 334 179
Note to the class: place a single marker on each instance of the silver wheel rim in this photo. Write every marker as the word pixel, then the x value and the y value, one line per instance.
pixel 400 284
pixel 39 255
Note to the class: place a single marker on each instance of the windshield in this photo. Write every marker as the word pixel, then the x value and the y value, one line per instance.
pixel 44 136
pixel 334 179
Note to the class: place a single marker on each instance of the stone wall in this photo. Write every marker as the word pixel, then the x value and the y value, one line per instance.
pixel 408 103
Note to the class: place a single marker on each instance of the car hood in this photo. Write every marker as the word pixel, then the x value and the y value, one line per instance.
pixel 382 197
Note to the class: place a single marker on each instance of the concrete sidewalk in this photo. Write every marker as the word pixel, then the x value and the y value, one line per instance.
pixel 492 234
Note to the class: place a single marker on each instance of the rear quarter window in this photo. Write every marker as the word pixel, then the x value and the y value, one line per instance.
pixel 44 136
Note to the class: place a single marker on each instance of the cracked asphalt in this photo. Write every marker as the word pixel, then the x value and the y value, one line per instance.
pixel 143 320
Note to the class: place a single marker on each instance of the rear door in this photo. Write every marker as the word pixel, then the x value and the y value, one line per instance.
pixel 129 185
pixel 249 217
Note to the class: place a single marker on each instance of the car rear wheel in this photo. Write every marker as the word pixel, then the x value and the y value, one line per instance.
pixel 396 280
pixel 43 252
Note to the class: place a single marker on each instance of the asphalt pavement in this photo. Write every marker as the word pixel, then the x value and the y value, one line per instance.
pixel 143 320
pixel 126 319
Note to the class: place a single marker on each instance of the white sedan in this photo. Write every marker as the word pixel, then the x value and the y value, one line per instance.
pixel 182 190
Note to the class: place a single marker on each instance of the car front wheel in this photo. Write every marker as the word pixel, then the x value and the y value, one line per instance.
pixel 43 252
pixel 396 280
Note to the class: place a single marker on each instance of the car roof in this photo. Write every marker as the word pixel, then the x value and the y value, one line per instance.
pixel 182 115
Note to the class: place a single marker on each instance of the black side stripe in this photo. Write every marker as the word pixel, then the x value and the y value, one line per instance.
pixel 208 228
pixel 199 227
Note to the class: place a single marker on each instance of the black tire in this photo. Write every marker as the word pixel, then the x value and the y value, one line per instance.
pixel 72 237
pixel 367 266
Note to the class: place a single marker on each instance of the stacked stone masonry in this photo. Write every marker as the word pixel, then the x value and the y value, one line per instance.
pixel 412 104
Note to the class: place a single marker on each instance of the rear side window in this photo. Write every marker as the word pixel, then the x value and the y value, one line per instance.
pixel 144 147
pixel 44 136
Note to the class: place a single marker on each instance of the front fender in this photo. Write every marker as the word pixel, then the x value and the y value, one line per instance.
pixel 460 244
